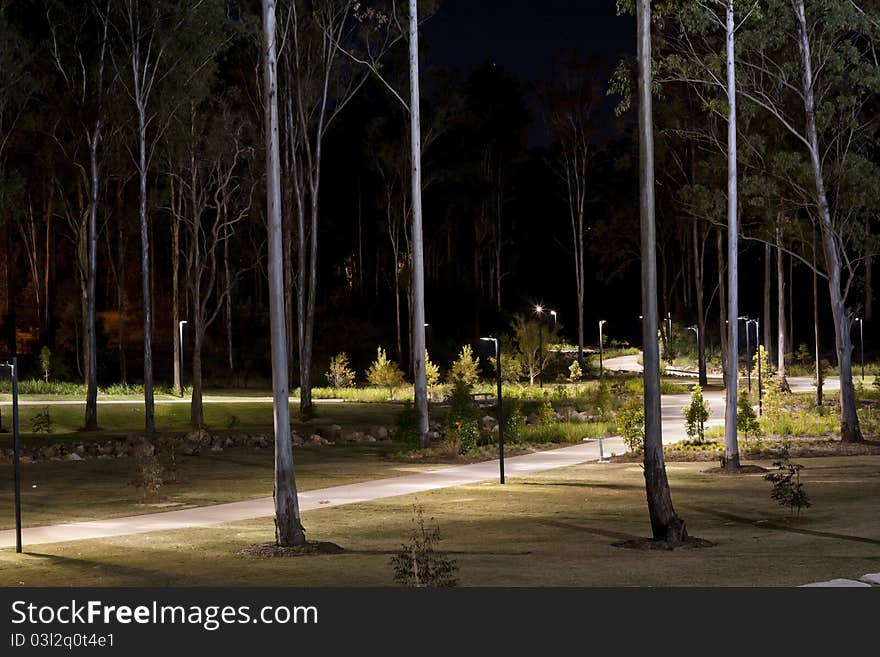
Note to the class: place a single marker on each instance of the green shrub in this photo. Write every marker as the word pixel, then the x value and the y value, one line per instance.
pixel 466 367
pixel 746 419
pixel 432 372
pixel 384 373
pixel 340 374
pixel 148 475
pixel 787 488
pixel 407 423
pixel 546 414
pixel 631 425
pixel 575 373
pixel 514 420
pixel 462 421
pixel 695 414
pixel 41 422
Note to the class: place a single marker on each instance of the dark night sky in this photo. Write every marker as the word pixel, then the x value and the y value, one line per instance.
pixel 525 37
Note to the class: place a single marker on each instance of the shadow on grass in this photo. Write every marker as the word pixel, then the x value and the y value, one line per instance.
pixel 86 566
pixel 589 530
pixel 586 484
pixel 781 527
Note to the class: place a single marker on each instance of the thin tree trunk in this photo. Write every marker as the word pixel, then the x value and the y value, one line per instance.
pixel 780 307
pixel 665 524
pixel 91 419
pixel 722 303
pixel 701 314
pixel 819 381
pixel 767 320
pixel 288 526
pixel 731 448
pixel 418 274
pixel 849 419
pixel 176 205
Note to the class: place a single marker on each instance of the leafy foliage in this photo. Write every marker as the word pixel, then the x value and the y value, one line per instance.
pixel 407 422
pixel 42 422
pixel 45 362
pixel 340 374
pixel 462 421
pixel 746 418
pixel 574 372
pixel 631 425
pixel 432 371
pixel 384 373
pixel 466 368
pixel 787 489
pixel 695 414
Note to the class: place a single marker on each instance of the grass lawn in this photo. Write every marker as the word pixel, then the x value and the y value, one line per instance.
pixel 119 419
pixel 555 528
pixel 60 491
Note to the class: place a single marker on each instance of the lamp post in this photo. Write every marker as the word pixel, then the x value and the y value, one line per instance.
pixel 601 349
pixel 497 343
pixel 16 448
pixel 696 330
pixel 180 330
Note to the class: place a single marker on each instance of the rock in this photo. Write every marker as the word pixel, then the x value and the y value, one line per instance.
pixel 332 432
pixel 434 435
pixel 531 418
pixel 198 437
pixel 50 452
pixel 352 437
pixel 140 449
pixel 24 458
pixel 80 449
pixel 73 456
pixel 489 422
pixel 369 439
pixel 216 447
pixel 379 433
pixel 296 439
pixel 315 439
pixel 871 578
pixel 229 442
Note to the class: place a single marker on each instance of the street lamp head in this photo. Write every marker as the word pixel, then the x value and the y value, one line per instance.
pixel 603 321
pixel 553 312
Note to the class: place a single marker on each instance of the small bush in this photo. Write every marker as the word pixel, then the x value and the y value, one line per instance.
pixel 340 374
pixel 787 489
pixel 432 372
pixel 466 368
pixel 695 415
pixel 575 373
pixel 419 564
pixel 462 421
pixel 631 425
pixel 746 419
pixel 514 420
pixel 42 421
pixel 407 423
pixel 384 373
pixel 546 414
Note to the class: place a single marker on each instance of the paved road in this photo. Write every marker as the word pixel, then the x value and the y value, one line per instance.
pixel 315 499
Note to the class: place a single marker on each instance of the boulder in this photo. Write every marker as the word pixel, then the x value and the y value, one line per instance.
pixel 315 439
pixel 198 437
pixel 531 418
pixel 296 439
pixel 380 433
pixel 332 432
pixel 73 456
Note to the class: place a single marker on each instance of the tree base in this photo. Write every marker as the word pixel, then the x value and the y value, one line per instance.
pixel 690 543
pixel 851 434
pixel 273 550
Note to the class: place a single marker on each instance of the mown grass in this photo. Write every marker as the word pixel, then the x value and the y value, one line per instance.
pixel 552 529
pixel 59 491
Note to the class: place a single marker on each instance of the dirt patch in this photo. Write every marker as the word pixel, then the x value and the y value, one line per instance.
pixel 690 543
pixel 742 470
pixel 272 550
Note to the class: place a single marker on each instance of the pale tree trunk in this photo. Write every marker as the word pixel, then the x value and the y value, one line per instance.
pixel 767 320
pixel 699 250
pixel 849 419
pixel 176 209
pixel 418 274
pixel 722 302
pixel 731 448
pixel 780 308
pixel 91 419
pixel 288 525
pixel 665 524
pixel 816 324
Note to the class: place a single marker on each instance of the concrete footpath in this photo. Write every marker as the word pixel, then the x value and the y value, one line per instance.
pixel 314 499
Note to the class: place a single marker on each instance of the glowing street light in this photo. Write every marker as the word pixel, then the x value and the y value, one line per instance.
pixel 497 343
pixel 16 448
